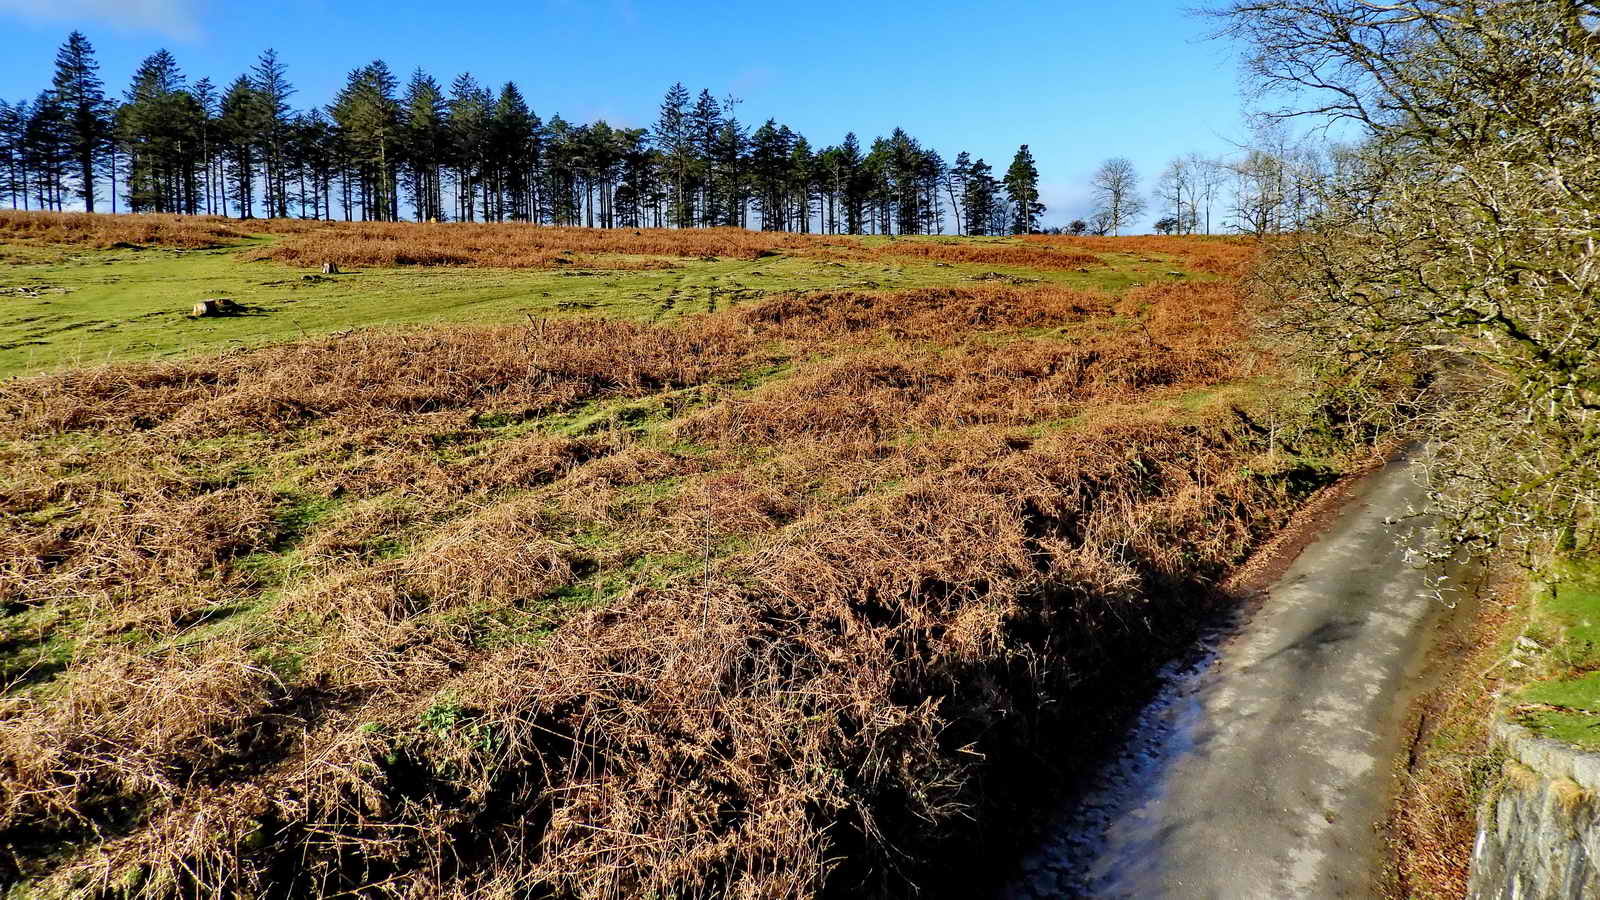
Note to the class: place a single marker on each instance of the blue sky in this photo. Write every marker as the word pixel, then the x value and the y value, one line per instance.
pixel 1077 81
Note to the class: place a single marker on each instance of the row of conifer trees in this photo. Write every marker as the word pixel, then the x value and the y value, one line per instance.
pixel 386 151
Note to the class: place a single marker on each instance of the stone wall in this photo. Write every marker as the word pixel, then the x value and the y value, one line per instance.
pixel 1539 831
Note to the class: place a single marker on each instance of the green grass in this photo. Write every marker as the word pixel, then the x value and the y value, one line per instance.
pixel 1572 601
pixel 86 307
pixel 35 645
pixel 1564 621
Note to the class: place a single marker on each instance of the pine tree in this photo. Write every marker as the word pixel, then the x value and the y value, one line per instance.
pixel 160 127
pixel 536 158
pixel 931 175
pixel 634 184
pixel 1022 187
pixel 598 162
pixel 47 150
pixel 704 124
pixel 13 174
pixel 877 170
pixel 238 125
pixel 81 95
pixel 367 118
pixel 855 182
pixel 903 166
pixel 206 98
pixel 673 139
pixel 803 180
pixel 426 144
pixel 828 189
pixel 771 149
pixel 468 125
pixel 955 183
pixel 269 80
pixel 979 201
pixel 314 154
pixel 244 150
pixel 562 158
pixel 513 132
pixel 731 170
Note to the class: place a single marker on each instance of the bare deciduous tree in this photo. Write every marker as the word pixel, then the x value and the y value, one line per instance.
pixel 1208 178
pixel 1463 227
pixel 1175 191
pixel 1115 187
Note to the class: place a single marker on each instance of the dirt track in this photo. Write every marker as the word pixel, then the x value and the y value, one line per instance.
pixel 1262 768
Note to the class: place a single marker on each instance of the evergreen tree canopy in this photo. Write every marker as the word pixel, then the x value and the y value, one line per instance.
pixel 80 94
pixel 379 151
pixel 1022 187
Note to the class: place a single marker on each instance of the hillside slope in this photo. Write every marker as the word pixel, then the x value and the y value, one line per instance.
pixel 754 603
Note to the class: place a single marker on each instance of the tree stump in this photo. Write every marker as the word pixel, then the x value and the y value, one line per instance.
pixel 330 268
pixel 214 306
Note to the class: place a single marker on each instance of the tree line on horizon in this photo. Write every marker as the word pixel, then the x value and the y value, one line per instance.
pixel 381 151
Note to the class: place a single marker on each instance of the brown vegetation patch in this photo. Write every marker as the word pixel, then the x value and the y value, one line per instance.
pixel 1450 763
pixel 168 535
pixel 312 242
pixel 825 700
pixel 1230 257
pixel 751 605
pixel 922 313
pixel 130 726
pixel 507 553
pixel 1190 313
pixel 517 245
pixel 520 245
pixel 874 395
pixel 540 247
pixel 104 231
pixel 994 253
pixel 375 377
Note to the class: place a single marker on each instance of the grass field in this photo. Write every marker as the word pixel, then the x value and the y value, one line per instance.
pixel 1560 649
pixel 747 576
pixel 67 305
pixel 88 307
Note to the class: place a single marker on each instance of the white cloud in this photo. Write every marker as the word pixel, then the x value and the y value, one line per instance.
pixel 1065 202
pixel 177 19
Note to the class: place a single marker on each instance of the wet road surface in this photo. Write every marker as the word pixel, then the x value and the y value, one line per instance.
pixel 1262 767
